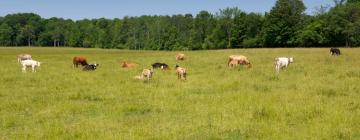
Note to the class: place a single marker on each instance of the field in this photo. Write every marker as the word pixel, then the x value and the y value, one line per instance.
pixel 316 97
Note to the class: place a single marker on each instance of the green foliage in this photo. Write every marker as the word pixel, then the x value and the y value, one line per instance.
pixel 284 19
pixel 285 25
pixel 5 34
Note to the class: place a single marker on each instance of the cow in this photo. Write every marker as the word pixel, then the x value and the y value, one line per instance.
pixel 282 62
pixel 162 66
pixel 90 67
pixel 129 65
pixel 22 57
pixel 242 60
pixel 79 60
pixel 180 56
pixel 145 75
pixel 180 72
pixel 334 51
pixel 30 63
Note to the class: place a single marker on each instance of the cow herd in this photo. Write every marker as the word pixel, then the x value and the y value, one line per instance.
pixel 233 60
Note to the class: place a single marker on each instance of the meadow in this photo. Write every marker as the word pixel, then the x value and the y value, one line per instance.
pixel 316 97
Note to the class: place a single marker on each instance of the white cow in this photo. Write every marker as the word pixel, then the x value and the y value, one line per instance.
pixel 29 63
pixel 282 62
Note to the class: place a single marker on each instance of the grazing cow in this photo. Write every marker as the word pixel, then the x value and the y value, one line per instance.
pixel 282 62
pixel 145 75
pixel 335 51
pixel 242 60
pixel 162 66
pixel 90 67
pixel 129 65
pixel 181 72
pixel 22 57
pixel 180 56
pixel 79 60
pixel 29 63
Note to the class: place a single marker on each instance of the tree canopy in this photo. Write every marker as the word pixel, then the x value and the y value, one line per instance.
pixel 285 25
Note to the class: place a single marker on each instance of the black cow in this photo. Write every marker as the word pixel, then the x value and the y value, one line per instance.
pixel 90 67
pixel 335 51
pixel 162 66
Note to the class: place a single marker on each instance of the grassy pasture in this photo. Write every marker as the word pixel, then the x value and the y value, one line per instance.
pixel 317 97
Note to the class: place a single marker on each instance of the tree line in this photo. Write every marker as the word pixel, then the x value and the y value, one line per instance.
pixel 285 25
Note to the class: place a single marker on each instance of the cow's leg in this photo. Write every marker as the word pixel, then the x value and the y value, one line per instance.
pixel 24 68
pixel 277 68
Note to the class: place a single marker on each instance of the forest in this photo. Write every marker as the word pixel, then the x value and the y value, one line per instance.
pixel 285 25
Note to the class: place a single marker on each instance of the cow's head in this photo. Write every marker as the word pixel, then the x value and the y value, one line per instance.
pixel 124 64
pixel 291 59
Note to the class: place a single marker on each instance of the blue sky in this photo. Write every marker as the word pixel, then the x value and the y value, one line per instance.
pixel 80 9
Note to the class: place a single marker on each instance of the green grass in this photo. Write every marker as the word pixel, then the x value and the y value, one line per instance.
pixel 317 97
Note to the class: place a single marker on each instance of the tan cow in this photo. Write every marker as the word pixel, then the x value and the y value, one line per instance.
pixel 145 75
pixel 180 72
pixel 129 65
pixel 180 56
pixel 22 57
pixel 242 60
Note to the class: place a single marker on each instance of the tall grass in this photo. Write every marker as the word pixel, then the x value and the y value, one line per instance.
pixel 316 97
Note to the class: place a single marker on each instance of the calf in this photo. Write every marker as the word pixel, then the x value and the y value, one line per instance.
pixel 30 63
pixel 282 62
pixel 334 51
pixel 90 67
pixel 181 72
pixel 79 60
pixel 162 66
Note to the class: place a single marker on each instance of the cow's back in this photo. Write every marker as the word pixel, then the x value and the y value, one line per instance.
pixel 237 57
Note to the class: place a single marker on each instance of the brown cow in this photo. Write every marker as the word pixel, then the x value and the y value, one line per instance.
pixel 79 60
pixel 180 56
pixel 129 65
pixel 242 60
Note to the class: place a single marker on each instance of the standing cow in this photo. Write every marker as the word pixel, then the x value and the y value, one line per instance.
pixel 29 63
pixel 282 62
pixel 334 51
pixel 79 60
pixel 180 72
pixel 22 57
